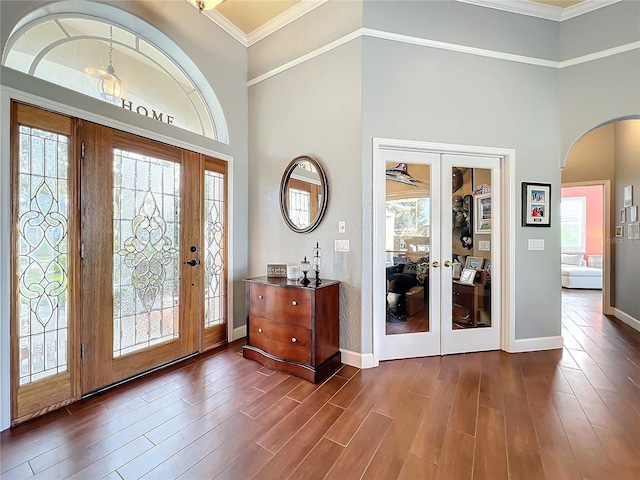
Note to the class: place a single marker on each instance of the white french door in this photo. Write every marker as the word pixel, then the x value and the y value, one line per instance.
pixel 436 214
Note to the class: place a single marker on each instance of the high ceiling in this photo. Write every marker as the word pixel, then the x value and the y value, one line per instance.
pixel 249 15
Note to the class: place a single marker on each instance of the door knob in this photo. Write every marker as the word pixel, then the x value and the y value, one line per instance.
pixel 192 262
pixel 447 263
pixel 435 264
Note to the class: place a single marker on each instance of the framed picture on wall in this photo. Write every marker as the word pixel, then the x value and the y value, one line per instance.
pixel 536 204
pixel 483 213
pixel 633 213
pixel 619 231
pixel 623 215
pixel 628 195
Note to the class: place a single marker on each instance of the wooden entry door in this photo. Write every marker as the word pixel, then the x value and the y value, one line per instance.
pixel 141 255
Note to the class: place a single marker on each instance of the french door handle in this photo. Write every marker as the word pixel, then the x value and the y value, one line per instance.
pixel 192 262
pixel 447 263
pixel 435 264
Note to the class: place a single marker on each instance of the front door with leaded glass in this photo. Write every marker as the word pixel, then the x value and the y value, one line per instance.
pixel 142 258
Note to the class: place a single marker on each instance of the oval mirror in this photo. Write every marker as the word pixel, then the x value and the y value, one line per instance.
pixel 304 193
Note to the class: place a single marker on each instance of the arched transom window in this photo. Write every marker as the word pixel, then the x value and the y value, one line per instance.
pixel 110 62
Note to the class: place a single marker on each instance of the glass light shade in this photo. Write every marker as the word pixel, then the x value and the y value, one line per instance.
pixel 110 86
pixel 207 4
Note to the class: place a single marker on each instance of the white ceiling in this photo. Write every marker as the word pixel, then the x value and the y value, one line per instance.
pixel 251 20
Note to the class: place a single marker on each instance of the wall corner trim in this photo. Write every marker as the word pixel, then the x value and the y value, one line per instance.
pixel 626 318
pixel 239 332
pixel 356 359
pixel 533 344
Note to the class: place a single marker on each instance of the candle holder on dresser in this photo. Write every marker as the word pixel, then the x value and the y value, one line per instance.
pixel 317 259
pixel 305 266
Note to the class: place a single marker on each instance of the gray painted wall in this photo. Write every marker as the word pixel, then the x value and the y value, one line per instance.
pixel 424 94
pixel 313 109
pixel 627 252
pixel 609 27
pixel 324 24
pixel 465 24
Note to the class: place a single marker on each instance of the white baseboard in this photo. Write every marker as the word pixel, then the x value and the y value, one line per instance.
pixel 626 318
pixel 356 359
pixel 539 343
pixel 239 332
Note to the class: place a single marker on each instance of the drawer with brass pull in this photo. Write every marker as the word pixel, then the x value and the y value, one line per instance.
pixel 290 305
pixel 289 342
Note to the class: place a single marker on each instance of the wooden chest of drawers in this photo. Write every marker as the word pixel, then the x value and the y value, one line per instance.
pixel 293 328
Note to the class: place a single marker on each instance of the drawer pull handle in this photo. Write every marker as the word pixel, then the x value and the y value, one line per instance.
pixel 260 297
pixel 294 339
pixel 259 330
pixel 294 303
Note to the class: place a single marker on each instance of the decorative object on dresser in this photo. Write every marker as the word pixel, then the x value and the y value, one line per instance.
pixel 305 266
pixel 294 328
pixel 276 269
pixel 317 258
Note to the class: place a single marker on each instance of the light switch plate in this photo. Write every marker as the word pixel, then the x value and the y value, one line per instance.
pixel 536 244
pixel 341 245
pixel 484 245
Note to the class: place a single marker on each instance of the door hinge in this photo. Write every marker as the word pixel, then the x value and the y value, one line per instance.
pixel 82 351
pixel 82 250
pixel 82 150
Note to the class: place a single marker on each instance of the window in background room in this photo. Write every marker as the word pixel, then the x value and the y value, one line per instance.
pixel 573 224
pixel 300 210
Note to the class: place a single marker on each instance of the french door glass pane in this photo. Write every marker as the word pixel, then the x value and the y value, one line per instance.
pixel 472 217
pixel 407 244
pixel 43 254
pixel 146 263
pixel 214 254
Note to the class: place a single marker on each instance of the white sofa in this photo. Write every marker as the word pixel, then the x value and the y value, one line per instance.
pixel 576 273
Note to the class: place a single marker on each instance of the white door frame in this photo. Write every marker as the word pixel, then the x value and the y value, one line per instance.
pixel 507 239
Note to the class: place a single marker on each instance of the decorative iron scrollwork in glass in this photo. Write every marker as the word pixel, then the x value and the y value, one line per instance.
pixel 43 254
pixel 214 249
pixel 146 243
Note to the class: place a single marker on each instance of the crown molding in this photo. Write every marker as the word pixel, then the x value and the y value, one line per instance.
pixel 222 21
pixel 521 7
pixel 586 7
pixel 284 19
pixel 539 10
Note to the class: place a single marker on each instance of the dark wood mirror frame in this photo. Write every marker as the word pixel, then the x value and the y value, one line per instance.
pixel 323 194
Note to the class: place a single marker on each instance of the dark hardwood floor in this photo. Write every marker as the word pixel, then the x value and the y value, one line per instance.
pixel 564 414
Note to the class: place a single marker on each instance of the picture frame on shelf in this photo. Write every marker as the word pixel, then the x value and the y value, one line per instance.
pixel 483 214
pixel 536 204
pixel 467 276
pixel 474 263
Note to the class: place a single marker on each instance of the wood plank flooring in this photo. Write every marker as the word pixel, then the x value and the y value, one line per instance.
pixel 564 414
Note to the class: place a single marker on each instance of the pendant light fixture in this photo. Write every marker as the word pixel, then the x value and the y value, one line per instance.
pixel 109 85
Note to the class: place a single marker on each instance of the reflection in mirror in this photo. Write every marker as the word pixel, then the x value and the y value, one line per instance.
pixel 303 194
pixel 408 219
